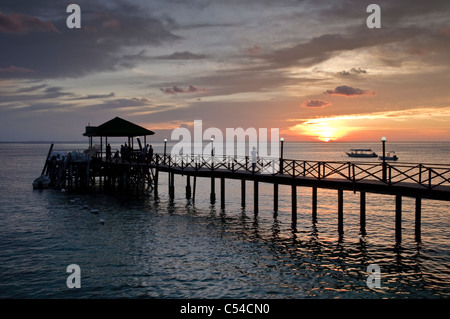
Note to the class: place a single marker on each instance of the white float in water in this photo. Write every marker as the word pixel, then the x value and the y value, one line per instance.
pixel 85 207
pixel 94 211
pixel 101 221
pixel 63 190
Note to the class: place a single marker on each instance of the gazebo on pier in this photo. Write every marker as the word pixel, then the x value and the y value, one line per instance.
pixel 117 127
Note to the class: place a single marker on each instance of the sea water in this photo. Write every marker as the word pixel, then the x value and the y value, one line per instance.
pixel 149 248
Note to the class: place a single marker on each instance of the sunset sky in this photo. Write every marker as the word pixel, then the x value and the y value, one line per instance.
pixel 313 69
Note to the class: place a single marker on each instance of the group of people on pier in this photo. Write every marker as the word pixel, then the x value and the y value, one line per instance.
pixel 126 153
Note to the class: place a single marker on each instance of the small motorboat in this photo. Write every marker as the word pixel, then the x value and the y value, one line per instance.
pixel 390 156
pixel 41 182
pixel 361 152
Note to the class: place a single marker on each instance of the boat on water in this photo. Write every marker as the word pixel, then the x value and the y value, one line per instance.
pixel 41 182
pixel 361 152
pixel 390 156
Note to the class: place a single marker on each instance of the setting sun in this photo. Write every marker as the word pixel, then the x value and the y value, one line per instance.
pixel 322 129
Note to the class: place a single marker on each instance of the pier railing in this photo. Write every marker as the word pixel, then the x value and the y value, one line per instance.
pixel 426 175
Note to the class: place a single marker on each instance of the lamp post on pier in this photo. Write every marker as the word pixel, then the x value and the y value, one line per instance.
pixel 383 141
pixel 165 148
pixel 281 155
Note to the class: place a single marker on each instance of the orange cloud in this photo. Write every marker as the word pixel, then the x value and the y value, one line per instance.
pixel 20 23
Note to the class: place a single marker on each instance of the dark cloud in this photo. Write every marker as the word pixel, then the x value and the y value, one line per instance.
pixel 95 96
pixel 353 71
pixel 31 88
pixel 315 103
pixel 323 47
pixel 20 24
pixel 185 55
pixel 345 90
pixel 180 90
pixel 109 33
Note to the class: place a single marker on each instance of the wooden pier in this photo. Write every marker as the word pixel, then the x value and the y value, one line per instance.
pixel 139 170
pixel 140 174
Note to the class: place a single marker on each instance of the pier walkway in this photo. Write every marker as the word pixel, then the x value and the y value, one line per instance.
pixel 420 181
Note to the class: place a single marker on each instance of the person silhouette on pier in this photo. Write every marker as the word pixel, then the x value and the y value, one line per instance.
pixel 108 153
pixel 254 159
pixel 150 153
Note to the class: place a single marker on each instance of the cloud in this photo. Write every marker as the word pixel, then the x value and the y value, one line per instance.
pixel 15 69
pixel 323 47
pixel 185 55
pixel 31 88
pixel 254 50
pixel 55 92
pixel 180 90
pixel 112 37
pixel 95 96
pixel 353 71
pixel 21 24
pixel 345 90
pixel 316 103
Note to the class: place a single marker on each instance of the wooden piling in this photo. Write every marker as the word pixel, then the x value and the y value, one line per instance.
pixel 294 204
pixel 418 218
pixel 222 193
pixel 275 198
pixel 243 193
pixel 398 218
pixel 195 187
pixel 155 188
pixel 171 186
pixel 314 204
pixel 188 187
pixel 47 159
pixel 340 212
pixel 212 196
pixel 255 197
pixel 362 210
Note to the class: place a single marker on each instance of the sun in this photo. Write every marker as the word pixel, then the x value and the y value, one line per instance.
pixel 322 129
pixel 325 139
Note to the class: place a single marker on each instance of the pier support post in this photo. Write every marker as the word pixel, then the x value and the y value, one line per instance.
pixel 398 219
pixel 155 180
pixel 362 210
pixel 275 198
pixel 212 196
pixel 340 212
pixel 222 193
pixel 314 204
pixel 418 218
pixel 294 204
pixel 243 193
pixel 188 187
pixel 195 187
pixel 171 186
pixel 255 197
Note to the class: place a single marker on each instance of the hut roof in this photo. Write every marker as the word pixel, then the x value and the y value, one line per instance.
pixel 117 127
